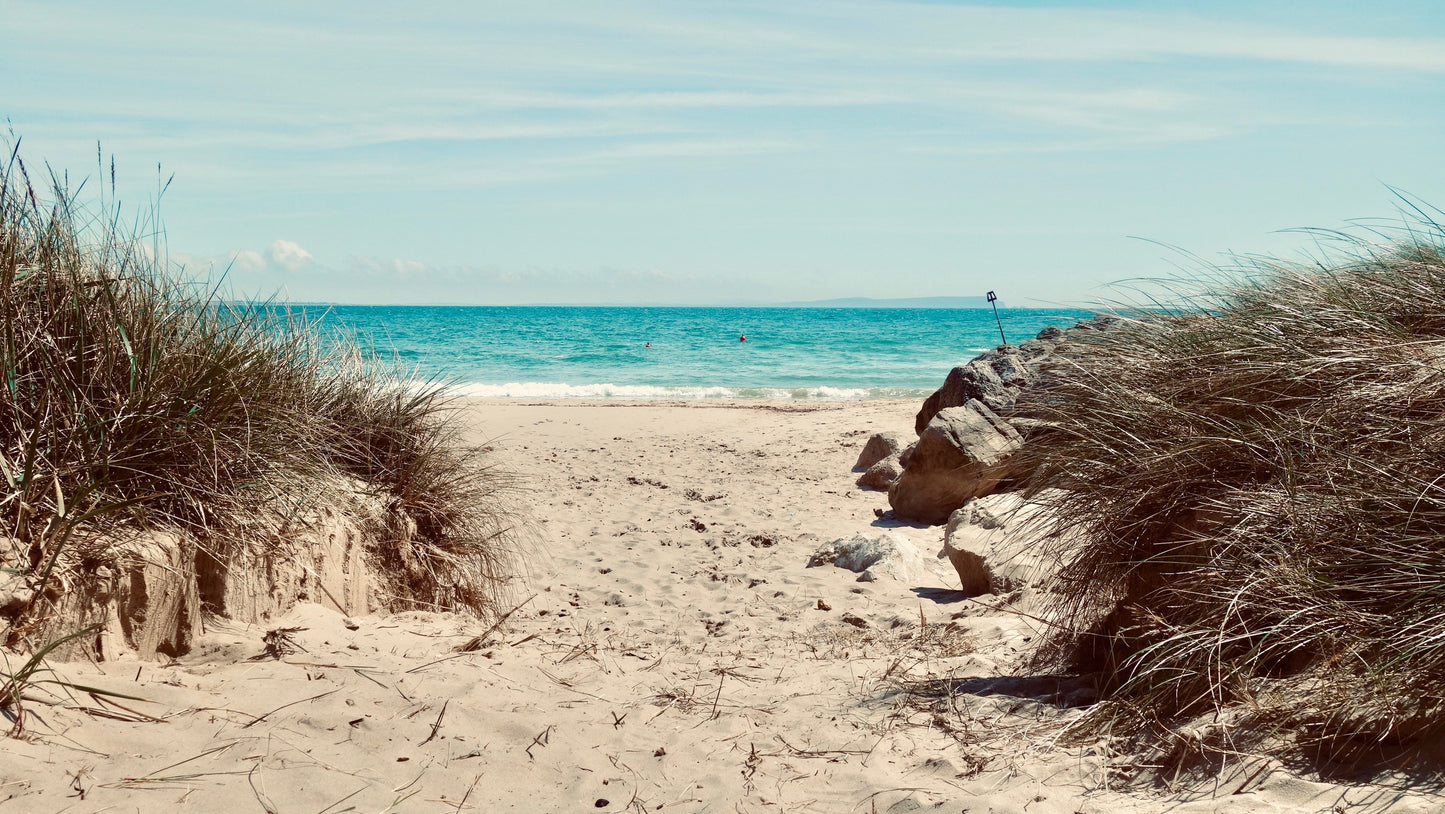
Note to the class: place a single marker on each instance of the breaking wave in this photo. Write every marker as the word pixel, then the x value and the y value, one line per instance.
pixel 642 392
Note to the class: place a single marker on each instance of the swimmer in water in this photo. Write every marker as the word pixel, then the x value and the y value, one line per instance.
pixel 648 345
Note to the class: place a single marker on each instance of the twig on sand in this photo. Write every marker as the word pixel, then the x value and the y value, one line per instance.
pixel 796 752
pixel 358 671
pixel 343 799
pixel 541 740
pixel 261 718
pixel 436 727
pixel 101 711
pixel 153 776
pixel 721 676
pixel 260 797
pixel 279 642
pixel 462 803
pixel 475 643
pixel 870 797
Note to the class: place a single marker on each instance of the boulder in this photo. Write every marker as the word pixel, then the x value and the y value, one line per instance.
pixel 882 445
pixel 963 453
pixel 970 552
pixel 993 544
pixel 977 380
pixel 1036 348
pixel 881 474
pixel 1011 370
pixel 873 557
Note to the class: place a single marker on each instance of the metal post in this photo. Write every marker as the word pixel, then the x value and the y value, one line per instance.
pixel 993 300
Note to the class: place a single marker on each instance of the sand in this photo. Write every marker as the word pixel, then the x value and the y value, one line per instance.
pixel 669 651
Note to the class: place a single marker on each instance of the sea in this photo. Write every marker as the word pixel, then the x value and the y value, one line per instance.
pixel 688 354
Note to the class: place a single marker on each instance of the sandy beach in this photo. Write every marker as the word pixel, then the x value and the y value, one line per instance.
pixel 668 651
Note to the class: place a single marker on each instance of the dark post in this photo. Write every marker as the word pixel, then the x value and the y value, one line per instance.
pixel 993 300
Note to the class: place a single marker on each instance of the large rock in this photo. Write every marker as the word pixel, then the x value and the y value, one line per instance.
pixel 976 381
pixel 992 543
pixel 882 445
pixel 888 554
pixel 970 552
pixel 963 453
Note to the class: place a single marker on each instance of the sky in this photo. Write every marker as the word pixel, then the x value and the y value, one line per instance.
pixel 715 153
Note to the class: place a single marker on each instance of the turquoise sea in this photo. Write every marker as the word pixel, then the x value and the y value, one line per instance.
pixel 553 352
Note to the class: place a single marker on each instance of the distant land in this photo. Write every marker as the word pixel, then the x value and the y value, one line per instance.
pixel 899 302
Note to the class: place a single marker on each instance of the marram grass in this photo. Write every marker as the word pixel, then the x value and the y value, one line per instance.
pixel 1249 503
pixel 130 398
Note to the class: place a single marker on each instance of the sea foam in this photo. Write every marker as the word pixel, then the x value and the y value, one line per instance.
pixel 639 392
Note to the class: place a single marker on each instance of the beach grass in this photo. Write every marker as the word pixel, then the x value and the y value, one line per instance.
pixel 135 397
pixel 1247 484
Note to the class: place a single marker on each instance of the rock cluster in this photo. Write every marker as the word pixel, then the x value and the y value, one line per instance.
pixel 968 432
pixel 963 453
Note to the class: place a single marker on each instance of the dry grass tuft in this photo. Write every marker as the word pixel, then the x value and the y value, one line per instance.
pixel 1255 480
pixel 132 397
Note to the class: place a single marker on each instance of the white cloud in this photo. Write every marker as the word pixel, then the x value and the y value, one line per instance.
pixel 406 268
pixel 289 256
pixel 247 261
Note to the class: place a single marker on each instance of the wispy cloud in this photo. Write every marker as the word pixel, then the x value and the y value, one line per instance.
pixel 289 256
pixel 511 129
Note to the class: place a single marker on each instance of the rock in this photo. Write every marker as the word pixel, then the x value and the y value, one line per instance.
pixel 993 546
pixel 968 552
pixel 976 380
pixel 963 453
pixel 881 474
pixel 907 455
pixel 1035 349
pixel 1051 333
pixel 882 445
pixel 1011 370
pixel 975 513
pixel 888 554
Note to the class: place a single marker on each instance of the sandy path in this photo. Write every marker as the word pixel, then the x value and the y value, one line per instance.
pixel 671 653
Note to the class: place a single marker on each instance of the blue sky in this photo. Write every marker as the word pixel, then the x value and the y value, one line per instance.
pixel 699 153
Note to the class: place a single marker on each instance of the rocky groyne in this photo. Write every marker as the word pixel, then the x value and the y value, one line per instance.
pixel 972 428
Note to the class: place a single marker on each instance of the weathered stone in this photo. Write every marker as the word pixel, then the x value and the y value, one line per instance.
pixel 967 552
pixel 1011 370
pixel 1051 333
pixel 881 474
pixel 881 445
pixel 963 453
pixel 992 546
pixel 976 380
pixel 1035 348
pixel 888 554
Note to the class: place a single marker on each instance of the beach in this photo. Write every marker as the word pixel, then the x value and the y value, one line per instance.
pixel 667 649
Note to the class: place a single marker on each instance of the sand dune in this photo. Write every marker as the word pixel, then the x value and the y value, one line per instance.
pixel 669 651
